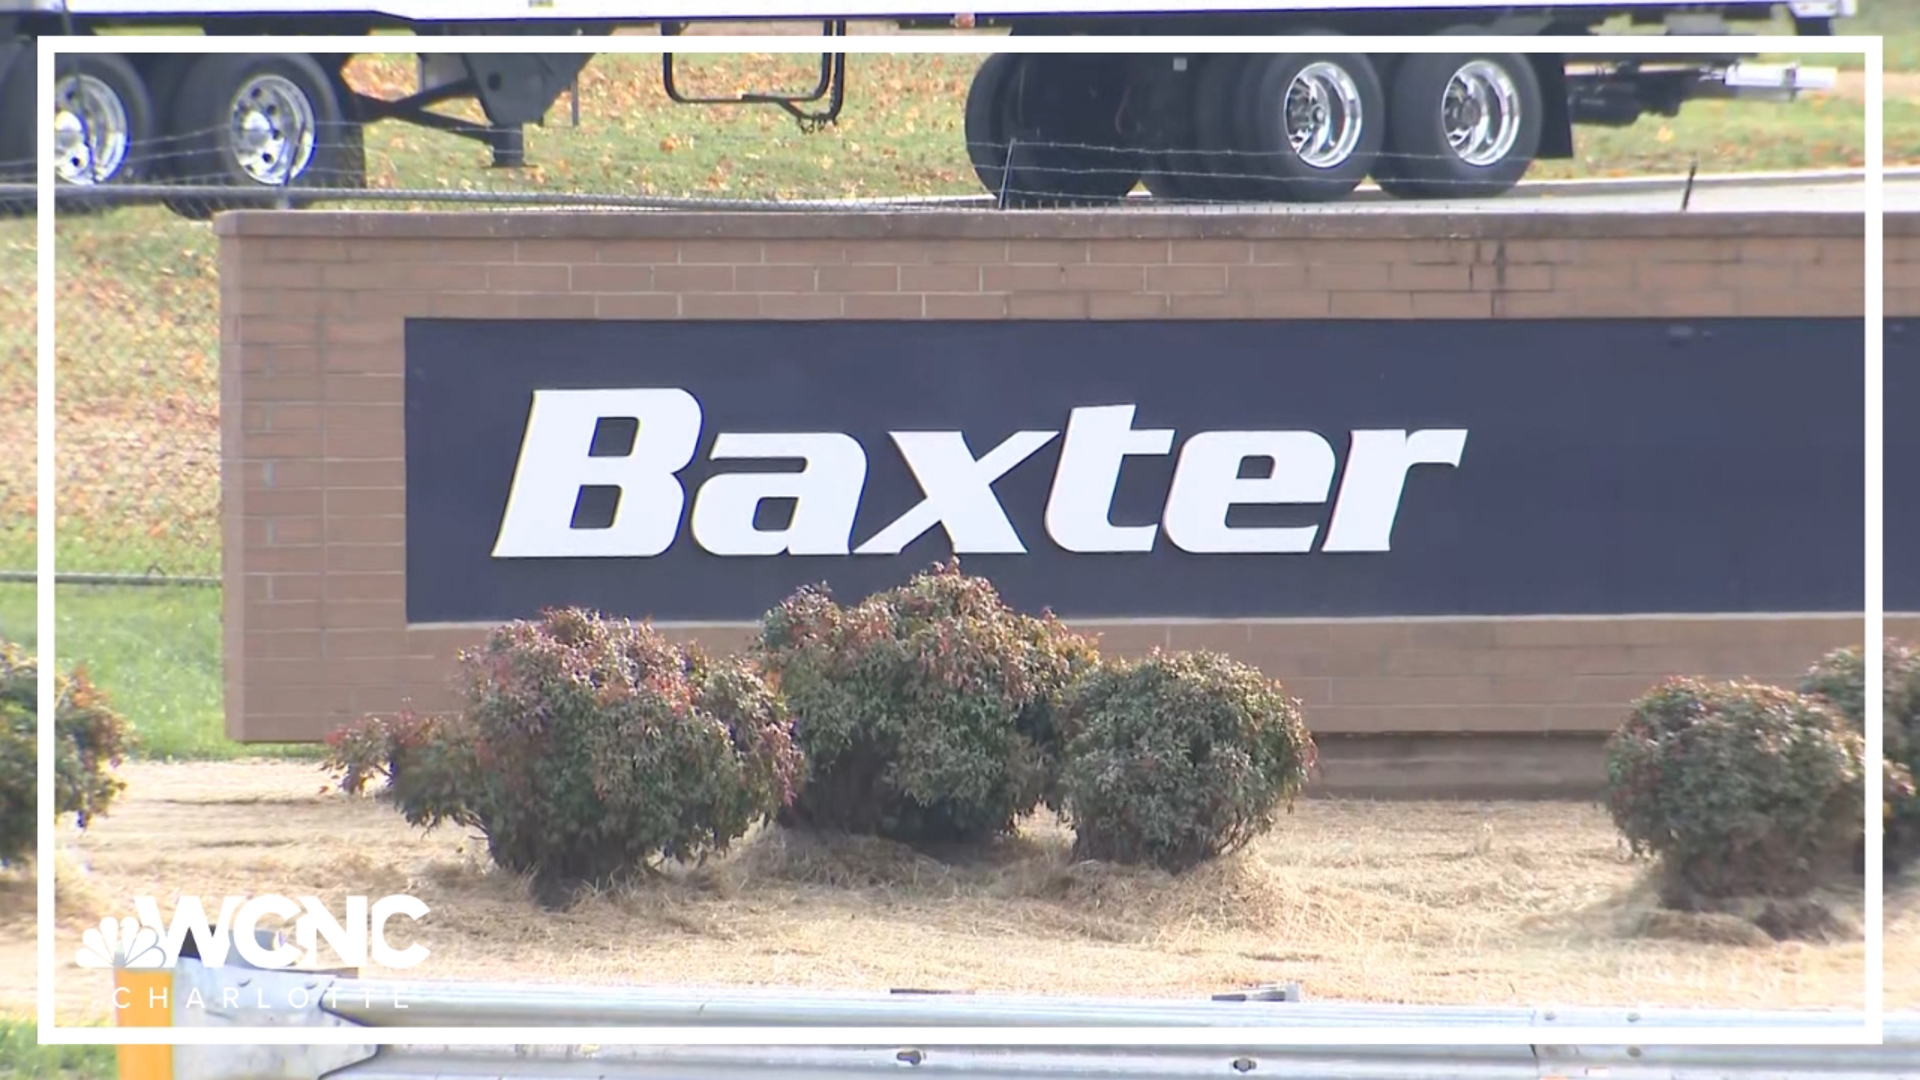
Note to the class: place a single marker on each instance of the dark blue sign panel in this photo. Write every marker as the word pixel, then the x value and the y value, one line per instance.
pixel 703 470
pixel 1902 474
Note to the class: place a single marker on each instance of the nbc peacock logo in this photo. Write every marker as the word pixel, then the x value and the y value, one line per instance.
pixel 122 944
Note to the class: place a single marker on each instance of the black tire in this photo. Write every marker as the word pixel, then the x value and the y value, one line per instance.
pixel 986 141
pixel 17 128
pixel 1287 176
pixel 112 78
pixel 202 119
pixel 1173 167
pixel 1170 178
pixel 1422 162
pixel 1230 173
pixel 1054 127
pixel 162 74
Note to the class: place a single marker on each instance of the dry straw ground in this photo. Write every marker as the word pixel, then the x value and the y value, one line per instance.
pixel 1422 902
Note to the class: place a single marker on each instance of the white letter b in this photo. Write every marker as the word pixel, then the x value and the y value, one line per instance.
pixel 556 463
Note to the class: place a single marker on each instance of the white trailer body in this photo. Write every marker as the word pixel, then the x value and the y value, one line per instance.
pixel 643 12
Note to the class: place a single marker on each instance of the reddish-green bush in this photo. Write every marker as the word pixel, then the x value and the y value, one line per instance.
pixel 427 764
pixel 926 711
pixel 1178 758
pixel 586 748
pixel 1740 789
pixel 19 754
pixel 90 740
pixel 1840 679
pixel 1901 748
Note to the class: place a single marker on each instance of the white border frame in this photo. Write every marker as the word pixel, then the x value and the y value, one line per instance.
pixel 760 10
pixel 1871 1033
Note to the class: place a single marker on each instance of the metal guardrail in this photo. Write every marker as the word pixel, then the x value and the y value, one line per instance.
pixel 339 1002
pixel 370 1003
pixel 1069 1063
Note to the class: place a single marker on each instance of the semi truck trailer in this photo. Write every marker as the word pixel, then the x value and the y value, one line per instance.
pixel 1041 129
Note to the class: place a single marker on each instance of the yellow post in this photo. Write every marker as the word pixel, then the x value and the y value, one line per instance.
pixel 144 999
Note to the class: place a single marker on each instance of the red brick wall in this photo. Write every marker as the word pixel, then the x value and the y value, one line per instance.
pixel 311 356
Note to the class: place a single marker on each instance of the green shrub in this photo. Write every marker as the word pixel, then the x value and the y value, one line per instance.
pixel 17 792
pixel 1901 748
pixel 1178 758
pixel 428 765
pixel 90 740
pixel 19 677
pixel 1739 789
pixel 1840 678
pixel 586 748
pixel 926 712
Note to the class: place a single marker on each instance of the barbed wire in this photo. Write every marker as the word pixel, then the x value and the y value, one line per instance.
pixel 1019 171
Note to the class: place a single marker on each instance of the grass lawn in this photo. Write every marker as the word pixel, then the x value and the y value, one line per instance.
pixel 23 1058
pixel 157 652
pixel 1895 22
pixel 17 621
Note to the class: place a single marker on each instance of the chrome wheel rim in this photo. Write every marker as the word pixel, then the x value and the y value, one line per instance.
pixel 1323 114
pixel 90 131
pixel 273 129
pixel 1481 113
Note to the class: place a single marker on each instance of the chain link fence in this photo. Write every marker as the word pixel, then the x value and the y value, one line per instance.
pixel 19 467
pixel 136 287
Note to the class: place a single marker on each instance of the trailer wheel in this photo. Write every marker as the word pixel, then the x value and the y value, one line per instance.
pixel 1315 122
pixel 1462 126
pixel 103 127
pixel 257 121
pixel 17 128
pixel 1046 129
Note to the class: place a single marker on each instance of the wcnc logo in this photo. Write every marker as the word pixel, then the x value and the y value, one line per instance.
pixel 149 942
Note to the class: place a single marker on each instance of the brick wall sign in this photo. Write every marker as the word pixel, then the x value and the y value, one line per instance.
pixel 1594 450
pixel 700 471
